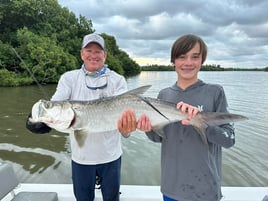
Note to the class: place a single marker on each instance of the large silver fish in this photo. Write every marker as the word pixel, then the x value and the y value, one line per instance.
pixel 85 117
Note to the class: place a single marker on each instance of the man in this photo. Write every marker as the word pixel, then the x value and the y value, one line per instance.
pixel 100 156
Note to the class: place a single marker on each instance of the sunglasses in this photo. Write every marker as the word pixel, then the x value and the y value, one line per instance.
pixel 101 82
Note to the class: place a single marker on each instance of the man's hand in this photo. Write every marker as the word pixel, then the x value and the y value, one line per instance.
pixel 127 122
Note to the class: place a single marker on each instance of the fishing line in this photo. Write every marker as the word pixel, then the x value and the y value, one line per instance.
pixel 32 75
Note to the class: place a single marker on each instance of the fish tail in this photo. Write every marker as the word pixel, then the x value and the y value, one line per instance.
pixel 220 118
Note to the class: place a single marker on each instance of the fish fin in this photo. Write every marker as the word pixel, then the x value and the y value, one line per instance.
pixel 201 129
pixel 151 105
pixel 80 136
pixel 202 132
pixel 159 130
pixel 139 90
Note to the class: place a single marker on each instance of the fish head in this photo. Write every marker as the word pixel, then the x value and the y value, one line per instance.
pixel 56 114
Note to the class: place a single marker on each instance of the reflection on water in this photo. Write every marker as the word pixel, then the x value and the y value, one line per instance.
pixel 46 158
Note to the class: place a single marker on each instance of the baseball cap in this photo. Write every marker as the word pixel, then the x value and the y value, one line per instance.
pixel 93 38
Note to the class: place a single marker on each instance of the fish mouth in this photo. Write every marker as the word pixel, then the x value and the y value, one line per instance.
pixel 72 122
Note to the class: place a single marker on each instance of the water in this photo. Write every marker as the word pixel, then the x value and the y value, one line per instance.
pixel 46 158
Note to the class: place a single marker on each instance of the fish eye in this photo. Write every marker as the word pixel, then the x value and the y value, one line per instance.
pixel 47 105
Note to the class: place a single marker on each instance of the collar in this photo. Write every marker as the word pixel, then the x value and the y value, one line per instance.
pixel 95 73
pixel 197 84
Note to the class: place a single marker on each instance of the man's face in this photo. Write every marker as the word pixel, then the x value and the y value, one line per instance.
pixel 93 57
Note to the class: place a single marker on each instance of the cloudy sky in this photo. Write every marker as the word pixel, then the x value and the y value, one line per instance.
pixel 236 31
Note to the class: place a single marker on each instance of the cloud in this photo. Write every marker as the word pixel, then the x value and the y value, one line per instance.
pixel 236 31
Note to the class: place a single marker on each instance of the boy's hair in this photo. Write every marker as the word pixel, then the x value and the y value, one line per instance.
pixel 184 44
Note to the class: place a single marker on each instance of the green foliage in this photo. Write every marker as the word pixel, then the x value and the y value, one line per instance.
pixel 7 59
pixel 130 67
pixel 8 78
pixel 48 39
pixel 114 64
pixel 157 68
pixel 43 57
pixel 171 68
pixel 208 67
pixel 118 60
pixel 212 67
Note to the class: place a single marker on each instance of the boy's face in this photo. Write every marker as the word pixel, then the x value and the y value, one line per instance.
pixel 187 65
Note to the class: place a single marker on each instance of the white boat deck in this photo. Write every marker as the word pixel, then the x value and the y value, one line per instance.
pixel 142 193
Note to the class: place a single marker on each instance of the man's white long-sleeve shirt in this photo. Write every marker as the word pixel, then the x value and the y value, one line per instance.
pixel 75 85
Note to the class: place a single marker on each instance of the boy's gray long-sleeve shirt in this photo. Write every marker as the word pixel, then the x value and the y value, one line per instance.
pixel 190 169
